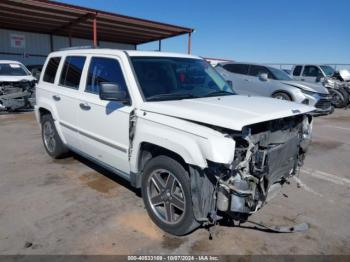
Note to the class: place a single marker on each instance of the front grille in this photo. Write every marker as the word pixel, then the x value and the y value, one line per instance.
pixel 323 104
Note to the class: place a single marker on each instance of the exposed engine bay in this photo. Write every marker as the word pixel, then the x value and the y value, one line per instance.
pixel 17 95
pixel 338 86
pixel 267 154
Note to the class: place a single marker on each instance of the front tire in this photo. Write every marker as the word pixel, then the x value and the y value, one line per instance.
pixel 166 193
pixel 282 96
pixel 52 141
pixel 339 98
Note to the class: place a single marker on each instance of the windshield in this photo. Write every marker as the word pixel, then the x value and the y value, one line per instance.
pixel 13 69
pixel 172 78
pixel 279 74
pixel 328 70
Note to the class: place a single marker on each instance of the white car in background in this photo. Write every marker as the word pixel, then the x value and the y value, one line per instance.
pixel 17 86
pixel 13 72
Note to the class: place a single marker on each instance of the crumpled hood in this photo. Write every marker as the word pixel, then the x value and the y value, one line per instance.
pixel 318 88
pixel 16 78
pixel 232 112
pixel 345 74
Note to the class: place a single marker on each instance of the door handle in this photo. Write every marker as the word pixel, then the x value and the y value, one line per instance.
pixel 246 80
pixel 56 98
pixel 85 106
pixel 302 79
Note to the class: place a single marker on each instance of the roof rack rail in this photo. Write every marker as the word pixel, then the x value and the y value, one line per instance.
pixel 77 48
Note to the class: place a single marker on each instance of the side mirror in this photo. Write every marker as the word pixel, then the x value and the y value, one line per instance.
pixel 319 77
pixel 263 77
pixel 230 83
pixel 113 92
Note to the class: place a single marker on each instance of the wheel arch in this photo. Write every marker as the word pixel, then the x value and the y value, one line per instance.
pixel 285 92
pixel 148 151
pixel 44 109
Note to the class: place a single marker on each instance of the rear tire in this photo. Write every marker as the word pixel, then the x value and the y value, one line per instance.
pixel 167 197
pixel 52 141
pixel 282 96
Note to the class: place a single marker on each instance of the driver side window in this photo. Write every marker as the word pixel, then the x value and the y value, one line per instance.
pixel 104 70
pixel 256 70
pixel 311 71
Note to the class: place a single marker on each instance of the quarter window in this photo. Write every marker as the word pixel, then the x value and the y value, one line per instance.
pixel 72 70
pixel 297 70
pixel 51 69
pixel 237 68
pixel 312 71
pixel 104 70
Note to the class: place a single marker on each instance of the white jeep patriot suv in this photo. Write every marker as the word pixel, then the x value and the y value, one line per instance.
pixel 171 125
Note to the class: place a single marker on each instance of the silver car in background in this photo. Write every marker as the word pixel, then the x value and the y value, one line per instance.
pixel 260 80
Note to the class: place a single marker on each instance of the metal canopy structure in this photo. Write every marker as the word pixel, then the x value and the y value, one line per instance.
pixel 55 18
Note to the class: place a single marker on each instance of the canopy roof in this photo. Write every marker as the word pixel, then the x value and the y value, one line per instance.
pixel 56 18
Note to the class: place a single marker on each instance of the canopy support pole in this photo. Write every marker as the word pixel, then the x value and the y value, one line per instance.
pixel 189 43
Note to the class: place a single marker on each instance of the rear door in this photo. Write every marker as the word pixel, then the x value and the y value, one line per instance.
pixel 297 72
pixel 104 125
pixel 237 73
pixel 64 94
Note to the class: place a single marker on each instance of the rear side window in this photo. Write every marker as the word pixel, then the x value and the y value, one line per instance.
pixel 51 69
pixel 104 70
pixel 312 71
pixel 72 70
pixel 256 70
pixel 237 68
pixel 297 70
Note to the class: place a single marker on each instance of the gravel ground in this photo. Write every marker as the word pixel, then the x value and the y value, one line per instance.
pixel 72 206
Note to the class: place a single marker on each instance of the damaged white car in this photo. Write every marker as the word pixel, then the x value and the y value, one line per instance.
pixel 17 86
pixel 172 126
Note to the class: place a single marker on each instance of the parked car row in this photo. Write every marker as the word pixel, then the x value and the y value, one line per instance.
pixel 316 85
pixel 259 80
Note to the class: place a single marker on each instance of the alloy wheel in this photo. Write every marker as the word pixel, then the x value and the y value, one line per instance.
pixel 166 196
pixel 49 136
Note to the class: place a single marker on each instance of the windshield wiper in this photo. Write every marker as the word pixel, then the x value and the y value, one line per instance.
pixel 171 96
pixel 219 93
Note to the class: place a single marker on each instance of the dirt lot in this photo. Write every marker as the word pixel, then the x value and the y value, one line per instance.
pixel 71 206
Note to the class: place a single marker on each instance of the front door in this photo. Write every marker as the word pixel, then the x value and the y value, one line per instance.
pixel 258 86
pixel 311 74
pixel 104 125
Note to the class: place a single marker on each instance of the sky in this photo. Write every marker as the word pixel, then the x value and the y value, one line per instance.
pixel 262 31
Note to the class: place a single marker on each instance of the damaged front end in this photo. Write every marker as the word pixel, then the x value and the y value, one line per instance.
pixel 267 154
pixel 17 95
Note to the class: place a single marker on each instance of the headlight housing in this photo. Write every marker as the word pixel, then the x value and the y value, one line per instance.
pixel 310 93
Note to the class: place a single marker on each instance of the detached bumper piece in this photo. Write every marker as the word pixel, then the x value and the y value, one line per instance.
pixel 303 227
